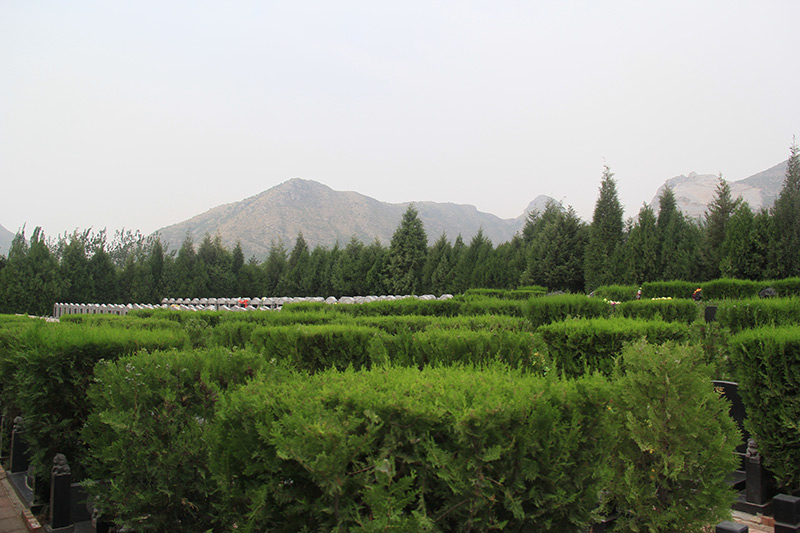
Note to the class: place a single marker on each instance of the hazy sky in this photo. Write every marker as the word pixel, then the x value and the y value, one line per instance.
pixel 143 114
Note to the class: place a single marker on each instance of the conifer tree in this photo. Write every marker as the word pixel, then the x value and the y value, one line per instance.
pixel 642 248
pixel 76 283
pixel 605 236
pixel 717 215
pixel 556 251
pixel 786 215
pixel 103 275
pixel 274 270
pixel 739 257
pixel 407 253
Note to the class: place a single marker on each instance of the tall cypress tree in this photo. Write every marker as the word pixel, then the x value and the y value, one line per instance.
pixel 556 251
pixel 642 248
pixel 717 215
pixel 786 215
pixel 601 266
pixel 407 254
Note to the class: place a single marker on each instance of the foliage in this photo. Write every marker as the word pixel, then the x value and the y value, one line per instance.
pixel 671 310
pixel 149 419
pixel 549 309
pixel 617 293
pixel 441 449
pixel 757 313
pixel 406 258
pixel 603 248
pixel 717 216
pixel 767 363
pixel 53 366
pixel 669 289
pixel 581 346
pixel 786 216
pixel 674 453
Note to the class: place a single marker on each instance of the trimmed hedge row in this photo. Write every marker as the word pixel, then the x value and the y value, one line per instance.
pixel 767 361
pixel 184 447
pixel 446 449
pixel 720 289
pixel 757 312
pixel 580 346
pixel 522 293
pixel 542 311
pixel 673 310
pixel 45 380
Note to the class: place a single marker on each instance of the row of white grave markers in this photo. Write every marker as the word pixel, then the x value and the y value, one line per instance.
pixel 223 304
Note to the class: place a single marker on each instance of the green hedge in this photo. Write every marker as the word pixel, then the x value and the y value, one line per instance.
pixel 670 310
pixel 436 347
pixel 767 362
pixel 669 289
pixel 731 289
pixel 147 431
pixel 51 375
pixel 785 287
pixel 617 293
pixel 578 346
pixel 757 312
pixel 404 306
pixel 316 348
pixel 550 309
pixel 447 449
pixel 522 293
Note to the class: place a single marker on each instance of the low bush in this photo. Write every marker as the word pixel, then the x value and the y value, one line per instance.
pixel 147 434
pixel 767 364
pixel 494 306
pixel 673 454
pixel 446 449
pixel 559 307
pixel 578 346
pixel 784 287
pixel 670 310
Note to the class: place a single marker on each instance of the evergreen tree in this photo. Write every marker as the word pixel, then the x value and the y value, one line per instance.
pixel 76 282
pixel 103 275
pixel 184 270
pixel 642 248
pixel 717 215
pixel 407 253
pixel 437 266
pixel 459 272
pixel 786 216
pixel 155 267
pixel 274 270
pixel 375 260
pixel 298 276
pixel 251 280
pixel 604 247
pixel 347 276
pixel 478 262
pixel 556 251
pixel 739 256
pixel 678 257
pixel 510 260
pixel 14 297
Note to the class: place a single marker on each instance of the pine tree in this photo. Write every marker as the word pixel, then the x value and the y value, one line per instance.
pixel 739 256
pixel 556 251
pixel 407 253
pixel 717 215
pixel 103 275
pixel 437 266
pixel 605 236
pixel 76 283
pixel 298 275
pixel 786 215
pixel 274 270
pixel 642 248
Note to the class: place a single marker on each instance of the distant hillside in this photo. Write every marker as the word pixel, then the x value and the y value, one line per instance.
pixel 5 240
pixel 325 216
pixel 694 192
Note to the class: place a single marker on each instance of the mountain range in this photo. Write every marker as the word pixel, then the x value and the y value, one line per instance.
pixel 325 216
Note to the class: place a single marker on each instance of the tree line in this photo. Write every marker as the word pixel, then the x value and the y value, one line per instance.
pixel 555 249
